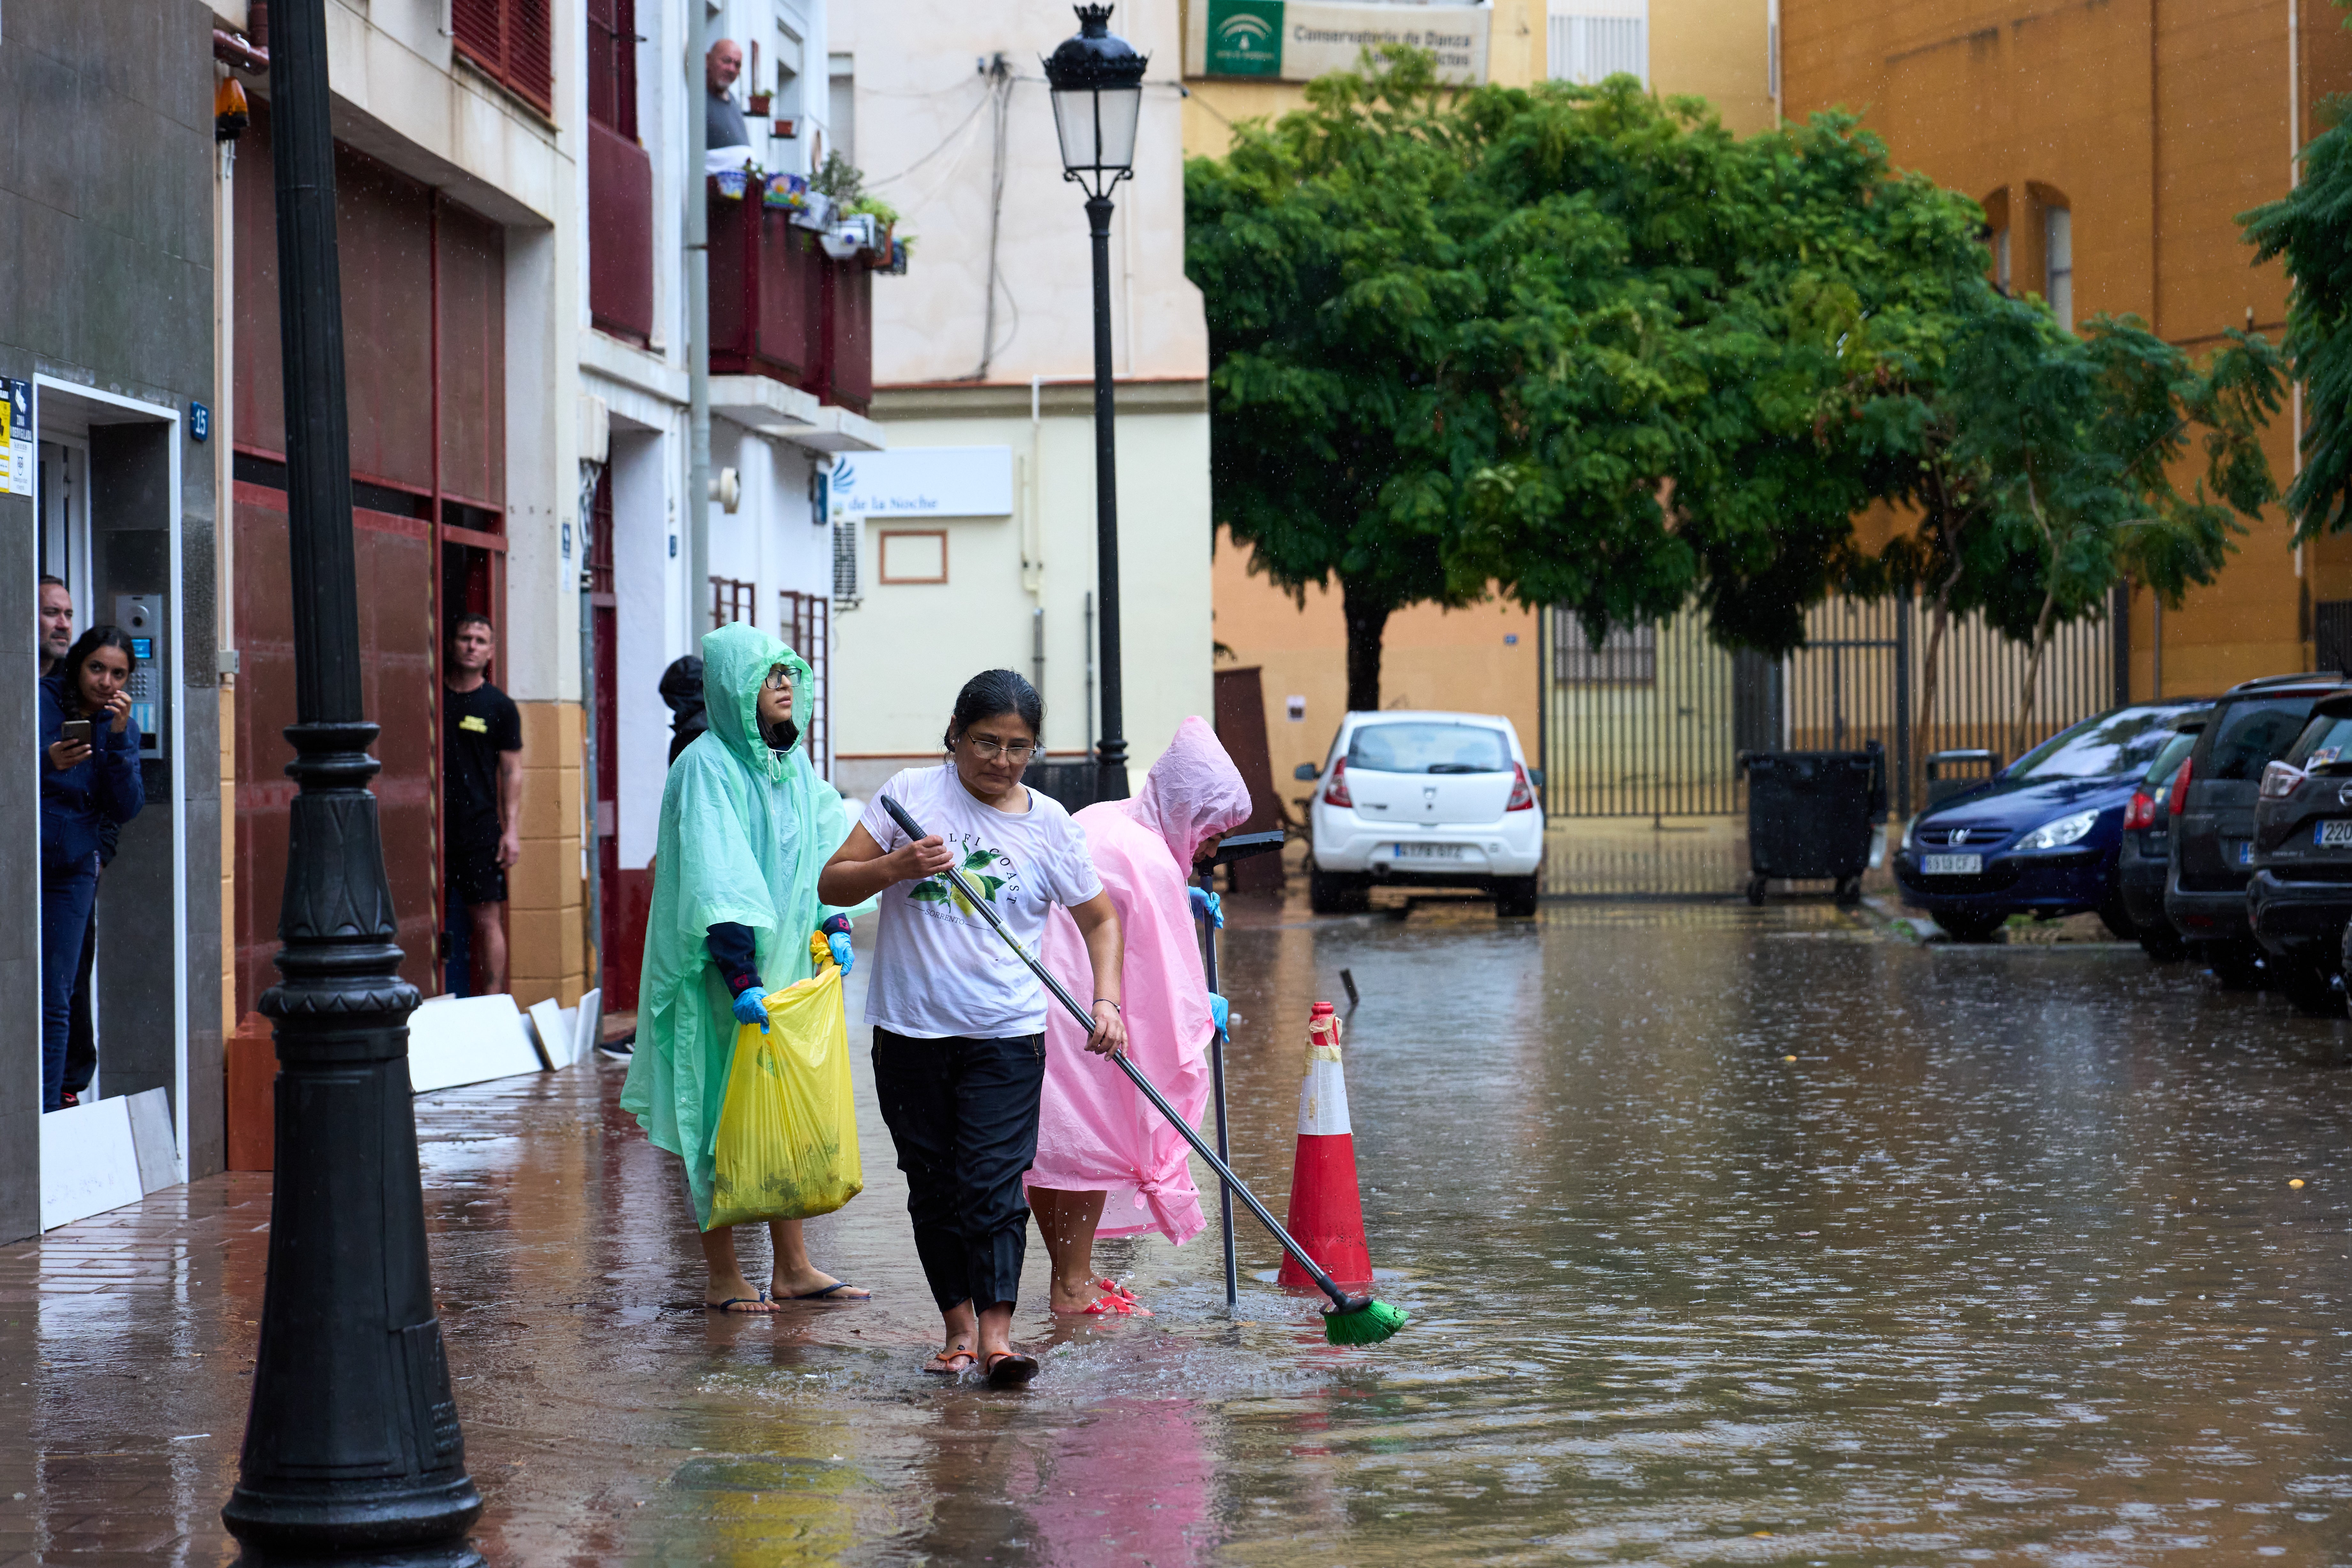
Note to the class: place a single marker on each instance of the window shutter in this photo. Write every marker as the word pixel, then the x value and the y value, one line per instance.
pixel 847 535
pixel 511 41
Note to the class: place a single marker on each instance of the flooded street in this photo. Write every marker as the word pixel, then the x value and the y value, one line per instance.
pixel 1728 1235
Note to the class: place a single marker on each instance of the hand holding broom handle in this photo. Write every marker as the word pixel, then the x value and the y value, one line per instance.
pixel 1343 1304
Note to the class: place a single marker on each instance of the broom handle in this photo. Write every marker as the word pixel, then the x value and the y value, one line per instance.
pixel 1224 1142
pixel 973 896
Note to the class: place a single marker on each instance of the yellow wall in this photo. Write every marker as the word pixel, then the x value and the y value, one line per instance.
pixel 547 935
pixel 1454 659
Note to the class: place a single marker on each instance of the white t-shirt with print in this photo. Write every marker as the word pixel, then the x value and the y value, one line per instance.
pixel 938 968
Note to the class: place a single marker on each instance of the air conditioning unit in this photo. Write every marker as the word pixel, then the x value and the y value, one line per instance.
pixel 848 557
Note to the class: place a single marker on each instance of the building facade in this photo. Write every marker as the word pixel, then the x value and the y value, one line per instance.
pixel 106 341
pixel 791 386
pixel 983 362
pixel 2112 149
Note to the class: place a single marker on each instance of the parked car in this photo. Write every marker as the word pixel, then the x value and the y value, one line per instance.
pixel 2040 837
pixel 2299 898
pixel 2251 726
pixel 2144 859
pixel 1425 799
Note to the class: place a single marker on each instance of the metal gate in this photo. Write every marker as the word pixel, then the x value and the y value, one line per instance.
pixel 1652 722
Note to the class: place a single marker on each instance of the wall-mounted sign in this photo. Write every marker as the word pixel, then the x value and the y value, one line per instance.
pixel 1299 40
pixel 16 426
pixel 922 482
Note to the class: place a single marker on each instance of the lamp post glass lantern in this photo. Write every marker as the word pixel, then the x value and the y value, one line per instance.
pixel 1096 81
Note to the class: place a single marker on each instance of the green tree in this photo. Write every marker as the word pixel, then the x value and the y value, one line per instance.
pixel 2311 231
pixel 1569 344
pixel 2044 467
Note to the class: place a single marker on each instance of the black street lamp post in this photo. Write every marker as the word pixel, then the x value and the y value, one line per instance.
pixel 353 1451
pixel 1096 81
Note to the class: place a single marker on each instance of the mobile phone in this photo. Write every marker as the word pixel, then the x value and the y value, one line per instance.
pixel 76 733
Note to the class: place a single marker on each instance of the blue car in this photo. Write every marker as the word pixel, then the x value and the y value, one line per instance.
pixel 2040 837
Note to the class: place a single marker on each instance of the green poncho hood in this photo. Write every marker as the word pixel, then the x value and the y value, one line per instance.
pixel 745 830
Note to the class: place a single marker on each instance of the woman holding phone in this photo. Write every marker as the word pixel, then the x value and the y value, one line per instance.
pixel 959 1022
pixel 90 774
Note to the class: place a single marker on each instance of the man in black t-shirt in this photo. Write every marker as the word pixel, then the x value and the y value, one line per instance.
pixel 481 797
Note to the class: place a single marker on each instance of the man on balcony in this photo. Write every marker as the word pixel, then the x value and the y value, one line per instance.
pixel 728 143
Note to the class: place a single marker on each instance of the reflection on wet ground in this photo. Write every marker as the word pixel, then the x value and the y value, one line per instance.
pixel 2002 1265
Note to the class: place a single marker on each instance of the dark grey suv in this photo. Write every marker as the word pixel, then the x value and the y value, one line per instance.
pixel 2300 899
pixel 2212 847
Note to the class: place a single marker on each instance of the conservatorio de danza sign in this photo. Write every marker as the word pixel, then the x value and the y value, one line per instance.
pixel 1299 40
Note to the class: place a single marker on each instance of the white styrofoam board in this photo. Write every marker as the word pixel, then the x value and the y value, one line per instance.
pixel 569 1050
pixel 152 1142
pixel 548 1034
pixel 467 1039
pixel 89 1163
pixel 588 1028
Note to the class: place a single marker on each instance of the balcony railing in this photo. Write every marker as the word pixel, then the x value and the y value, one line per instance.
pixel 781 308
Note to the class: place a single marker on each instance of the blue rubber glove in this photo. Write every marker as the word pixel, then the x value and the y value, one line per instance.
pixel 1207 906
pixel 842 953
pixel 1219 1009
pixel 751 1007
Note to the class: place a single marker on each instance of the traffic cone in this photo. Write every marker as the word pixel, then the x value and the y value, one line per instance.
pixel 1327 1211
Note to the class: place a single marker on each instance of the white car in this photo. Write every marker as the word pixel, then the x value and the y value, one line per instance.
pixel 1425 799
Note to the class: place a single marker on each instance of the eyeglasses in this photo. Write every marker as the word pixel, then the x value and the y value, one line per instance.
pixel 987 748
pixel 780 680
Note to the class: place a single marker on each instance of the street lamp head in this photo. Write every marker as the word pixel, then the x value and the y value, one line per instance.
pixel 1097 81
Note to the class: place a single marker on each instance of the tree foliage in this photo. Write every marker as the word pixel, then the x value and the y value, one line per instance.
pixel 1584 347
pixel 2311 230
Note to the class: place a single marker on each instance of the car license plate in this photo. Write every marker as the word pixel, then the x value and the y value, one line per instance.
pixel 1952 865
pixel 2238 851
pixel 1429 851
pixel 2336 834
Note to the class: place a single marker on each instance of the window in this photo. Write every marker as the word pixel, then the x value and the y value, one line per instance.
pixel 841 105
pixel 1628 655
pixel 2001 260
pixel 511 42
pixel 1590 40
pixel 2105 747
pixel 612 65
pixel 915 556
pixel 2247 734
pixel 2058 262
pixel 1416 747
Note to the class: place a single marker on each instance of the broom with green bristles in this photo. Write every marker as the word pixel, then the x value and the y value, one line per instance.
pixel 1352 1320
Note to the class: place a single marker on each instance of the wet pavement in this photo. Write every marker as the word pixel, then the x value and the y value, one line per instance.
pixel 2003 1266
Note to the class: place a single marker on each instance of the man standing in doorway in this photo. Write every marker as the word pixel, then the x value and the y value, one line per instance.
pixel 56 622
pixel 481 797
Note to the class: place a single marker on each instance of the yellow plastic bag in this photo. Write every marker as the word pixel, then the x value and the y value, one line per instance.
pixel 787 1131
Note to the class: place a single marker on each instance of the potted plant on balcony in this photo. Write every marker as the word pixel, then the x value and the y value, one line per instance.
pixel 762 102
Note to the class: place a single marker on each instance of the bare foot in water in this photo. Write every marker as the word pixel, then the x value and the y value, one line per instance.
pixel 735 1294
pixel 812 1284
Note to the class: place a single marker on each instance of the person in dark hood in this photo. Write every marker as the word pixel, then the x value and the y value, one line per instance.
pixel 681 687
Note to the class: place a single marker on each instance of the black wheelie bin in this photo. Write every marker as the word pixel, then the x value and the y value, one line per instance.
pixel 1811 815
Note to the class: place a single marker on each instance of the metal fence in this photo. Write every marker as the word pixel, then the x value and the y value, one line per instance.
pixel 1651 724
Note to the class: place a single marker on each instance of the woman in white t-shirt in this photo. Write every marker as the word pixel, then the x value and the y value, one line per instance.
pixel 959 1021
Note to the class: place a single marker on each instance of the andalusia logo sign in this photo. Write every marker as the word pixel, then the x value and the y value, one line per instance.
pixel 1244 37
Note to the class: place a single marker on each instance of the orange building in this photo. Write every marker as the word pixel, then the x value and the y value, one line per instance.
pixel 2112 146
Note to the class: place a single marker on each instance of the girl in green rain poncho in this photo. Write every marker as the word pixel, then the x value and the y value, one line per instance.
pixel 746 825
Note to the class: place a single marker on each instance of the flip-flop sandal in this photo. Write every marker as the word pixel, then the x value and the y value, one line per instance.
pixel 940 1365
pixel 1011 1369
pixel 728 1305
pixel 828 1292
pixel 1122 1299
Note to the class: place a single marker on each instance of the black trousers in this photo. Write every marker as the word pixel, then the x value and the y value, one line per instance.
pixel 964 1114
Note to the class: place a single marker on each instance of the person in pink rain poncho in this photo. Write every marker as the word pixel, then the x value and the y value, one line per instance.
pixel 1108 1163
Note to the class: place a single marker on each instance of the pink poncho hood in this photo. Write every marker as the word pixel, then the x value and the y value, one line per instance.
pixel 1095 1132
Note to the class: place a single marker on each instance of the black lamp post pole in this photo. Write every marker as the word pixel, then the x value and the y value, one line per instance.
pixel 351 1449
pixel 1110 751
